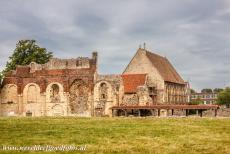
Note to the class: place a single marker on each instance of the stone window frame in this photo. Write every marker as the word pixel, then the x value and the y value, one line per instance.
pixel 6 87
pixel 61 91
pixel 25 90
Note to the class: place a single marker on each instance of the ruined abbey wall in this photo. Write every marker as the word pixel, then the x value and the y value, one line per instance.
pixel 59 87
pixel 73 87
pixel 106 94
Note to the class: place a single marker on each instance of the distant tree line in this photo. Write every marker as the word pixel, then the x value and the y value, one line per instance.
pixel 223 96
pixel 208 90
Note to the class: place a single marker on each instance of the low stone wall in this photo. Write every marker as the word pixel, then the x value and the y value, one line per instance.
pixel 222 112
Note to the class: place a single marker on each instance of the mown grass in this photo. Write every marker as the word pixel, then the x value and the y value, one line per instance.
pixel 120 135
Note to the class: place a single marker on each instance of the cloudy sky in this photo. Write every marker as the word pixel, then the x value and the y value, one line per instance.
pixel 193 34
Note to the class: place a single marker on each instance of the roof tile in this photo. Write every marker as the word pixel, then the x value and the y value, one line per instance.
pixel 165 68
pixel 132 81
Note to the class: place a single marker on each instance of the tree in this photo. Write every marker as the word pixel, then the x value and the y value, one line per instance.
pixel 206 90
pixel 1 78
pixel 196 102
pixel 224 97
pixel 27 51
pixel 217 90
pixel 192 91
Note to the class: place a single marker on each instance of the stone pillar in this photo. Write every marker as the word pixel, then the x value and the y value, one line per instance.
pixel 43 104
pixel 112 113
pixel 20 104
pixel 139 112
pixel 215 112
pixel 187 111
pixel 126 113
pixel 197 112
pixel 152 112
pixel 201 113
pixel 159 112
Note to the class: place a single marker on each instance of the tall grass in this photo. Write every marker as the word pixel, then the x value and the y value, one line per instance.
pixel 120 135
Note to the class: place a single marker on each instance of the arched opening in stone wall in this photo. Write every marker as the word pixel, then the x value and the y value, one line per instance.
pixel 12 95
pixel 31 103
pixel 103 90
pixel 104 98
pixel 55 94
pixel 79 97
pixel 9 100
pixel 32 94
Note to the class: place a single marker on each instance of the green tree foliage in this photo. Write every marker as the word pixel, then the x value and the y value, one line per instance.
pixel 1 78
pixel 27 51
pixel 192 91
pixel 224 97
pixel 196 102
pixel 217 90
pixel 206 90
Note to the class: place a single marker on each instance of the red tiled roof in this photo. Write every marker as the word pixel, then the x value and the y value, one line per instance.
pixel 165 68
pixel 132 81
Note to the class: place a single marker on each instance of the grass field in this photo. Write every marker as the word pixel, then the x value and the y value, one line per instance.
pixel 120 135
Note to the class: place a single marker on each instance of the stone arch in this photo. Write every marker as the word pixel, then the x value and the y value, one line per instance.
pixel 9 93
pixel 54 93
pixel 103 98
pixel 31 93
pixel 79 94
pixel 103 87
pixel 32 105
pixel 9 100
pixel 103 91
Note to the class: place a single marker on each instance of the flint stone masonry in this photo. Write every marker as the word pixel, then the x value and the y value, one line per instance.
pixel 46 90
pixel 73 87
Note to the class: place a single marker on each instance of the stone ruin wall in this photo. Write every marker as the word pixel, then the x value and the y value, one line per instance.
pixel 221 112
pixel 140 98
pixel 106 94
pixel 72 87
pixel 59 87
pixel 55 63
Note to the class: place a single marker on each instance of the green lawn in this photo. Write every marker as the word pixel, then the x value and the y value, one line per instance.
pixel 120 135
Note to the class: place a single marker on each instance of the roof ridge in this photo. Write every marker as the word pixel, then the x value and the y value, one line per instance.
pixel 175 73
pixel 164 67
pixel 154 54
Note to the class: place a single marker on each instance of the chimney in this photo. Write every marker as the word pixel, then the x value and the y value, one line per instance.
pixel 94 55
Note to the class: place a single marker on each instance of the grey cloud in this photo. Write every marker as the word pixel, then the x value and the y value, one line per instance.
pixel 192 34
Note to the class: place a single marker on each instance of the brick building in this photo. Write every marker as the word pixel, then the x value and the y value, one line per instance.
pixel 205 98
